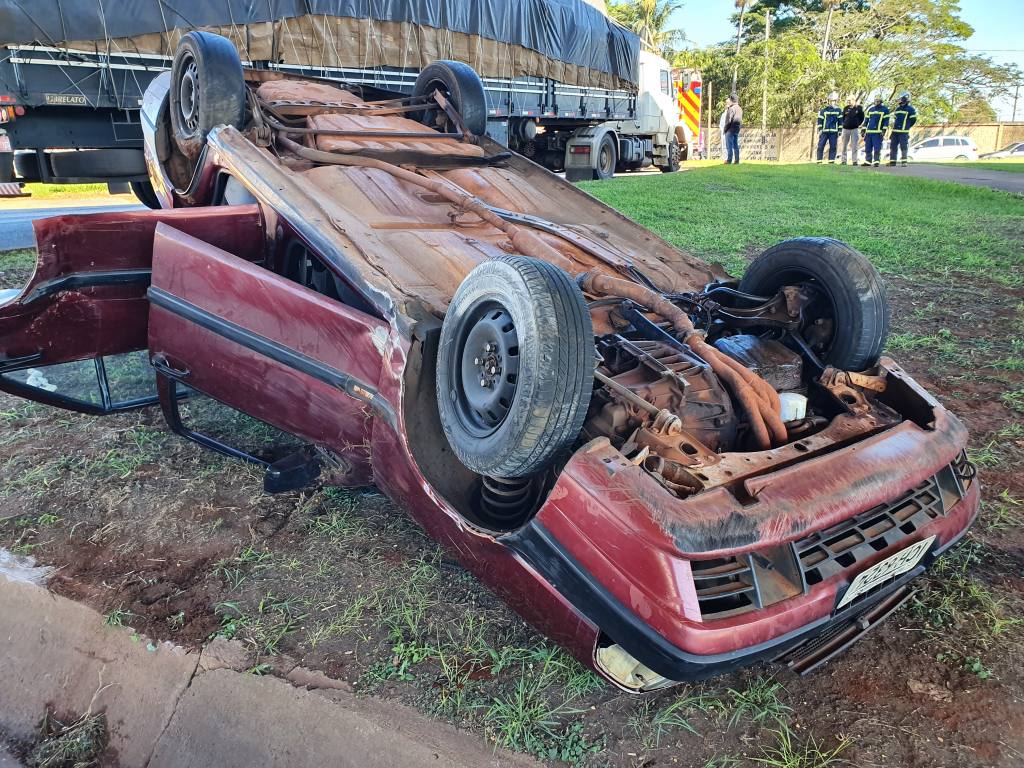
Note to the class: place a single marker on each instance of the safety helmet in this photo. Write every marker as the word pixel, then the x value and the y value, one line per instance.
pixel 905 96
pixel 878 98
pixel 834 96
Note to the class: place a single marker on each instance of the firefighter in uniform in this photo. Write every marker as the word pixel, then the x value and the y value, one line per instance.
pixel 876 123
pixel 904 117
pixel 830 119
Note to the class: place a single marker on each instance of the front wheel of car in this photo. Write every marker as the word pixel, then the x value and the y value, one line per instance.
pixel 846 320
pixel 207 89
pixel 515 367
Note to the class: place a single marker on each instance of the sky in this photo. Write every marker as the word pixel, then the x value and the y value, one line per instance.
pixel 998 32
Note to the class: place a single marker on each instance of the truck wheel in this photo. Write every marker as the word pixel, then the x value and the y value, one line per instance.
pixel 98 163
pixel 847 321
pixel 207 89
pixel 515 367
pixel 460 84
pixel 607 157
pixel 673 158
pixel 143 190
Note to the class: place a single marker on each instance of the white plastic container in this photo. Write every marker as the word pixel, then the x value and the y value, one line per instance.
pixel 793 406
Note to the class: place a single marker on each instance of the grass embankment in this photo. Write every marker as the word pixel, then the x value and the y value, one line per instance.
pixel 907 226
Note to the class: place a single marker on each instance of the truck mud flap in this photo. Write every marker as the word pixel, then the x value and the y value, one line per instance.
pixel 808 656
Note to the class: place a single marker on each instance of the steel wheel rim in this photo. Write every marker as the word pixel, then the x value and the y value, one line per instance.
pixel 188 93
pixel 487 367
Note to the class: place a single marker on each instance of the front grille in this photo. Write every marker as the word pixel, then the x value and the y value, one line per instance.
pixel 826 553
pixel 727 586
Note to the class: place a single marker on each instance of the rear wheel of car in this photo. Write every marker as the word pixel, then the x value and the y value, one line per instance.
pixel 961 157
pixel 462 87
pixel 607 157
pixel 847 320
pixel 515 367
pixel 207 89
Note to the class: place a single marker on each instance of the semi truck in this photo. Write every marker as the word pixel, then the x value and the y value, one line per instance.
pixel 578 94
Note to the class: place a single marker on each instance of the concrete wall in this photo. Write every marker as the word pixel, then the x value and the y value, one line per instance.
pixel 793 145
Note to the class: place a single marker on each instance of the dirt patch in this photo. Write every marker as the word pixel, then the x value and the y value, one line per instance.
pixel 183 545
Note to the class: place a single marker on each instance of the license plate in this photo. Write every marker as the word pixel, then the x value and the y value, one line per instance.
pixel 892 566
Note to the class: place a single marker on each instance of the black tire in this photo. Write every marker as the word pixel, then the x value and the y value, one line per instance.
pixel 460 84
pixel 26 166
pixel 144 191
pixel 961 157
pixel 546 353
pixel 607 157
pixel 207 89
pixel 852 295
pixel 673 158
pixel 98 163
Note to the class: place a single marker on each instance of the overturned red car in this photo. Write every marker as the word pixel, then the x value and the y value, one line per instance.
pixel 671 472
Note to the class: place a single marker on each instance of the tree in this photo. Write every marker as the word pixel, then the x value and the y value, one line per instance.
pixel 649 19
pixel 975 110
pixel 856 47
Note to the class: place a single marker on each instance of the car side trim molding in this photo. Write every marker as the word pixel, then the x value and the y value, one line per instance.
pixel 88 280
pixel 351 386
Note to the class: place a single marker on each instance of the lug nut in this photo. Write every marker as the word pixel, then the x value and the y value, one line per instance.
pixel 476 361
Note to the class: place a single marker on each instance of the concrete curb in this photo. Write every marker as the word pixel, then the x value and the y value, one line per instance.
pixel 168 708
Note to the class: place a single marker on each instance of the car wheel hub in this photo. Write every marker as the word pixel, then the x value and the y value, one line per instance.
pixel 489 367
pixel 187 95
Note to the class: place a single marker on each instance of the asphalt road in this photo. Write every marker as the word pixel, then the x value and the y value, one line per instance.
pixel 1007 181
pixel 16 223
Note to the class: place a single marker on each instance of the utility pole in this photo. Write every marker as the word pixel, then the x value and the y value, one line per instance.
pixel 742 5
pixel 1016 94
pixel 828 28
pixel 707 140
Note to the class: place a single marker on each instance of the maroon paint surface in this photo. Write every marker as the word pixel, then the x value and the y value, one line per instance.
pixel 104 320
pixel 282 311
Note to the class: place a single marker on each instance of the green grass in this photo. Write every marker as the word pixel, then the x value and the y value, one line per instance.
pixel 16 267
pixel 790 751
pixel 907 226
pixel 65 191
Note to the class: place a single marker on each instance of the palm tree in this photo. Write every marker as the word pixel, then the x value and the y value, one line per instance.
pixel 648 18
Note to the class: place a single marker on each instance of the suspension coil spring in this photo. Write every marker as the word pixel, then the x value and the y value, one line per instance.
pixel 505 502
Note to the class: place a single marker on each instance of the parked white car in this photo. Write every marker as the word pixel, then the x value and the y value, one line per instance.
pixel 944 148
pixel 1015 150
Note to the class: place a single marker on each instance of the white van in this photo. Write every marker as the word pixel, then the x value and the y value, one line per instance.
pixel 944 148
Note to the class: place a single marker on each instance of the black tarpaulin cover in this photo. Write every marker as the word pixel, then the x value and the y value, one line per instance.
pixel 568 31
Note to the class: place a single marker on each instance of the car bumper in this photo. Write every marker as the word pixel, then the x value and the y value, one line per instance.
pixel 548 557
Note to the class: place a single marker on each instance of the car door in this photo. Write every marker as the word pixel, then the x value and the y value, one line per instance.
pixel 927 150
pixel 259 342
pixel 74 336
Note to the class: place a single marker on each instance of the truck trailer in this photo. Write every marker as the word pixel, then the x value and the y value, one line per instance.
pixel 565 85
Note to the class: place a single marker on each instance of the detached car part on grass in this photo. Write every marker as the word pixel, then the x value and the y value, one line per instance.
pixel 670 472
